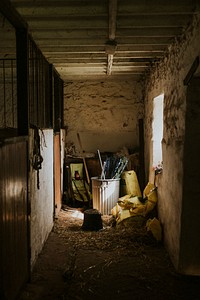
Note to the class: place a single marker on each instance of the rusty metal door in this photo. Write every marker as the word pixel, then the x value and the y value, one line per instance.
pixel 14 229
pixel 57 173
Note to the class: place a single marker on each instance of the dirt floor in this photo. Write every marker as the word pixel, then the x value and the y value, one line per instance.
pixel 118 262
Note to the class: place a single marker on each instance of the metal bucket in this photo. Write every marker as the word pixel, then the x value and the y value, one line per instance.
pixel 105 194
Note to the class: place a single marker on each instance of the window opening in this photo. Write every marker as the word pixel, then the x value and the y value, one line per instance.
pixel 157 132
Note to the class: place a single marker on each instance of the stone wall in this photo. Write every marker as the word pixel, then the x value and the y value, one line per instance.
pixel 104 113
pixel 167 77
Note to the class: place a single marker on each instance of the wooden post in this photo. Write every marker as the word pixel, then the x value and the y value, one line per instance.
pixel 84 161
pixel 22 81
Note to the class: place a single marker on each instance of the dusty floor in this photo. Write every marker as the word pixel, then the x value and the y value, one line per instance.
pixel 123 262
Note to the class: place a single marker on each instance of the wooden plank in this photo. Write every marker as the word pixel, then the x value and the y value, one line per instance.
pixel 112 18
pixel 84 161
pixel 67 63
pixel 49 42
pixel 12 15
pixel 103 32
pixel 142 21
pixel 99 7
pixel 81 70
pixel 58 22
pixel 72 33
pixel 101 49
pixel 58 3
pixel 73 49
pixel 139 54
pixel 102 76
pixel 130 68
pixel 61 8
pixel 66 56
pixel 149 32
pixel 79 65
pixel 156 6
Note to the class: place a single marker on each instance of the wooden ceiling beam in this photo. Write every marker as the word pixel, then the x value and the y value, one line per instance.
pixel 161 21
pixel 61 9
pixel 11 14
pixel 103 32
pixel 75 35
pixel 58 23
pixel 112 18
pixel 100 55
pixel 101 49
pixel 57 3
pixel 112 31
pixel 156 6
pixel 61 42
pixel 93 22
pixel 70 33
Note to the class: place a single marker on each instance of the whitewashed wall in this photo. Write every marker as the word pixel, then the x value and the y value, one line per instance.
pixel 167 78
pixel 42 199
pixel 104 113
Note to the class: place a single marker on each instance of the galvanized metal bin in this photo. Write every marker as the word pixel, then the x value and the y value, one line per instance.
pixel 105 194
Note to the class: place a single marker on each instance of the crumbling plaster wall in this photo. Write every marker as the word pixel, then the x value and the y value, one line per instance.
pixel 167 77
pixel 105 114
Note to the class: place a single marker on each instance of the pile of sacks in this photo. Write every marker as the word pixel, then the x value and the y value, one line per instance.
pixel 134 204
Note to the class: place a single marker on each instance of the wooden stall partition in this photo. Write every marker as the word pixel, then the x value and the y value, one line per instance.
pixel 14 211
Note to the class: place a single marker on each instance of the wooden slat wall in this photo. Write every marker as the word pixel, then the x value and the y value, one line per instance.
pixel 14 247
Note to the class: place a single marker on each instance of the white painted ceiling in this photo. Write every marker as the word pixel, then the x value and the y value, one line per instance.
pixel 99 38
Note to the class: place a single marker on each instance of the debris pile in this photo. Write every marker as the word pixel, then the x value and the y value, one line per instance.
pixel 115 188
pixel 133 205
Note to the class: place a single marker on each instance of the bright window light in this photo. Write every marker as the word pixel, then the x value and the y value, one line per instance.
pixel 157 128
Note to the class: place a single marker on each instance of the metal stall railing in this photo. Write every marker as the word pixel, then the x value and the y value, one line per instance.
pixel 8 94
pixel 40 102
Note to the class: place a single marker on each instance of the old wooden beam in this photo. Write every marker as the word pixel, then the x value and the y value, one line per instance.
pixel 12 15
pixel 112 31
